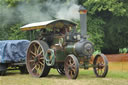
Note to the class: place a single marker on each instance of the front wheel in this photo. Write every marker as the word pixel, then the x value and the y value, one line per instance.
pixel 100 65
pixel 71 67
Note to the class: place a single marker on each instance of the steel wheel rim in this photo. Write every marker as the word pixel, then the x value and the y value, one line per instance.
pixel 71 67
pixel 35 59
pixel 100 66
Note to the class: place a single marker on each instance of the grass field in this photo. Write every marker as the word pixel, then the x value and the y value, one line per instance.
pixel 86 77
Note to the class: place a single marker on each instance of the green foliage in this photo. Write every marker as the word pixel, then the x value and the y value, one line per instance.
pixel 16 33
pixel 116 31
pixel 114 13
pixel 3 34
pixel 96 52
pixel 107 22
pixel 123 50
pixel 114 6
pixel 95 31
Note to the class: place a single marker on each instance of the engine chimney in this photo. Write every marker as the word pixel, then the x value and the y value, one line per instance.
pixel 83 21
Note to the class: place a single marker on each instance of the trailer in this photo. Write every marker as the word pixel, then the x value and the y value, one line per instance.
pixel 12 55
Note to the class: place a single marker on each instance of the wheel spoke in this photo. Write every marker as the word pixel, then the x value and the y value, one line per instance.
pixel 73 64
pixel 40 52
pixel 35 48
pixel 32 53
pixel 71 73
pixel 41 63
pixel 70 61
pixel 34 68
pixel 73 69
pixel 66 64
pixel 101 71
pixel 41 58
pixel 31 60
pixel 39 68
pixel 101 61
pixel 98 70
pixel 38 49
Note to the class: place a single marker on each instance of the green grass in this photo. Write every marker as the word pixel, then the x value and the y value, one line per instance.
pixel 86 77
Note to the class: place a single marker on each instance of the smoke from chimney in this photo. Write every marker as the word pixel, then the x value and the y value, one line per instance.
pixel 34 11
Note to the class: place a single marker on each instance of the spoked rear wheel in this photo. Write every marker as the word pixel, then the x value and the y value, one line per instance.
pixel 71 66
pixel 100 65
pixel 35 59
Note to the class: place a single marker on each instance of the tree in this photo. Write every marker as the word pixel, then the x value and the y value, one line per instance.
pixel 107 21
pixel 115 15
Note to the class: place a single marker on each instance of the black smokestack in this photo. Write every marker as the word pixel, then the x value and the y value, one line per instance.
pixel 83 21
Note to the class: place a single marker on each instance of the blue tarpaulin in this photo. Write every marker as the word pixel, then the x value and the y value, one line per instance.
pixel 13 50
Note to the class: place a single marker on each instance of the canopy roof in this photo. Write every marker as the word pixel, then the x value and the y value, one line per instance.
pixel 49 24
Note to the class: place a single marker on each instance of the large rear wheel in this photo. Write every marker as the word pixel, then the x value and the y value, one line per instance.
pixel 35 61
pixel 71 66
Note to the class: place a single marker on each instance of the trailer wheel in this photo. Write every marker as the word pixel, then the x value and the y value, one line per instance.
pixel 71 66
pixel 100 65
pixel 2 73
pixel 23 70
pixel 3 68
pixel 35 61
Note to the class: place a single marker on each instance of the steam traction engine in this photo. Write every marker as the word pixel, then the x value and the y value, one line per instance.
pixel 60 46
